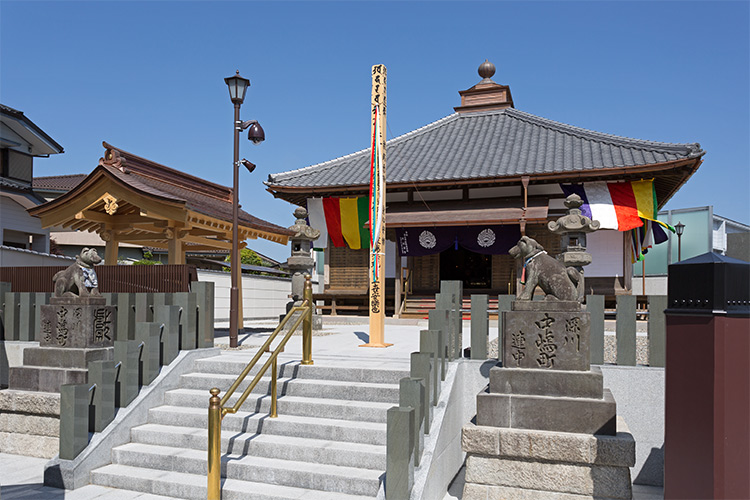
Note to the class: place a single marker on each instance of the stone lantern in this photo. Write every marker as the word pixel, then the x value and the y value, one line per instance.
pixel 573 228
pixel 301 261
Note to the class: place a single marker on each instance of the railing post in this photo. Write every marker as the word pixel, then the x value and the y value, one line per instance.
pixel 307 323
pixel 214 445
pixel 274 375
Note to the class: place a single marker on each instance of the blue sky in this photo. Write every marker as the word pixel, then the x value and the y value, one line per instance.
pixel 147 77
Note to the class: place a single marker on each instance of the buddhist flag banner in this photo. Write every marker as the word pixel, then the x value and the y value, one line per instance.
pixel 617 205
pixel 317 219
pixel 343 219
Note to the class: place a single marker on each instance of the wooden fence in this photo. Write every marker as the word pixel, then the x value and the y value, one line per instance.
pixel 112 279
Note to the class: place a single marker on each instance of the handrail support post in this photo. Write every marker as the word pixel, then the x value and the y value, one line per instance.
pixel 214 445
pixel 307 323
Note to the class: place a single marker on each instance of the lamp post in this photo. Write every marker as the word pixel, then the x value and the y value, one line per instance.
pixel 237 89
pixel 679 228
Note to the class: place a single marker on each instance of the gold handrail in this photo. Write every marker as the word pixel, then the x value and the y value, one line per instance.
pixel 216 409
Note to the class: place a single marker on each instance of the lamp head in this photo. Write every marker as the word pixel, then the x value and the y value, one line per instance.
pixel 237 87
pixel 680 228
pixel 250 166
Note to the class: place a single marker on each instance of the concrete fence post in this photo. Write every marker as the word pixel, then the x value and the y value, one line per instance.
pixel 143 304
pixel 74 419
pixel 429 341
pixel 12 313
pixel 169 316
pixel 595 307
pixel 26 315
pixel 102 407
pixel 421 368
pixel 4 288
pixel 399 464
pixel 438 321
pixel 126 381
pixel 412 394
pixel 657 330
pixel 188 319
pixel 149 334
pixel 503 305
pixel 204 291
pixel 625 330
pixel 480 326
pixel 125 316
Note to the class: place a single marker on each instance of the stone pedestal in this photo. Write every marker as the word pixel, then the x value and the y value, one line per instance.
pixel 73 332
pixel 540 465
pixel 545 425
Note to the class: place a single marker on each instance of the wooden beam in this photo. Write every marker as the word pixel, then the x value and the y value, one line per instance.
pixel 94 216
pixel 224 245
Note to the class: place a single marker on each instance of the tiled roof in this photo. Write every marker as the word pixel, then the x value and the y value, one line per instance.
pixel 489 145
pixel 58 182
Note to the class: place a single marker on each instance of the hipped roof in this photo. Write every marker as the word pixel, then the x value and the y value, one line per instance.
pixel 493 147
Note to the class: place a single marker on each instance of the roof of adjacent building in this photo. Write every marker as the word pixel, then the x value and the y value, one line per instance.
pixel 488 145
pixel 39 142
pixel 61 183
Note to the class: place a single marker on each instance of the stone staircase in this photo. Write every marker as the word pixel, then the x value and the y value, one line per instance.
pixel 328 441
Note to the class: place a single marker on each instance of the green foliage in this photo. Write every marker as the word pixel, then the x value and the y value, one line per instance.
pixel 147 260
pixel 247 256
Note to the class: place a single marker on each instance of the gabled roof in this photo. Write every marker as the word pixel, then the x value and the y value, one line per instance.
pixel 505 143
pixel 59 183
pixel 135 182
pixel 23 129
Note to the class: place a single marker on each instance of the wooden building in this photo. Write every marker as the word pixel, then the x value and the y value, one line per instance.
pixel 487 165
pixel 130 199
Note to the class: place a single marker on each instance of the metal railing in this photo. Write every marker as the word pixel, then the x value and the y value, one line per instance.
pixel 216 406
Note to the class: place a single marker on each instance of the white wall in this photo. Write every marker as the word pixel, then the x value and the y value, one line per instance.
pixel 15 218
pixel 605 247
pixel 263 297
pixel 16 257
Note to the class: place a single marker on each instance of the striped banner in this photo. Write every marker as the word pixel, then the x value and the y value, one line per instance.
pixel 344 220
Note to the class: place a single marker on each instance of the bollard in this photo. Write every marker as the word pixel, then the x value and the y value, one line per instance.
pixel 169 316
pixel 480 326
pixel 456 291
pixel 126 365
pixel 204 292
pixel 503 305
pixel 74 419
pixel 625 330
pixel 399 464
pixel 595 307
pixel 188 319
pixel 412 393
pixel 429 340
pixel 102 408
pixel 420 368
pixel 657 330
pixel 148 367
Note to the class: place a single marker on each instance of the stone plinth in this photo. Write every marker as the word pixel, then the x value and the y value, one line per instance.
pixel 77 322
pixel 533 464
pixel 45 369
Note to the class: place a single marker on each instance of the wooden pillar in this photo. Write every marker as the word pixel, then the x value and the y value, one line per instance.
pixel 111 247
pixel 627 265
pixel 175 247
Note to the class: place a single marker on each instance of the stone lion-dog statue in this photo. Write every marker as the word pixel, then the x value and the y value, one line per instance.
pixel 79 280
pixel 539 269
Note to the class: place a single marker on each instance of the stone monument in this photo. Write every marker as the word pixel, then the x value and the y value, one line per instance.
pixel 301 262
pixel 76 327
pixel 545 425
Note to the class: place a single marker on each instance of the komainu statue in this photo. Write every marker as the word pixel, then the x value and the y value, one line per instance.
pixel 79 280
pixel 540 269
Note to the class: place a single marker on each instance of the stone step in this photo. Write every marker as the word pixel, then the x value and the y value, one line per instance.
pixel 193 486
pixel 297 474
pixel 364 411
pixel 344 370
pixel 287 425
pixel 360 455
pixel 331 389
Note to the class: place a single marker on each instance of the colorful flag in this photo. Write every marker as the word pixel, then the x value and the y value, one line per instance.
pixel 344 220
pixel 618 205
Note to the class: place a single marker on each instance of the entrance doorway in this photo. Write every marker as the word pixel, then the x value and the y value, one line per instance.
pixel 473 269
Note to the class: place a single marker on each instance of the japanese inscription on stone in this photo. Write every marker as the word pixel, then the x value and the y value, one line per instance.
pixel 102 324
pixel 546 340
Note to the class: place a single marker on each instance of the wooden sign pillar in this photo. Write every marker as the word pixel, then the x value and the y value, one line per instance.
pixel 377 210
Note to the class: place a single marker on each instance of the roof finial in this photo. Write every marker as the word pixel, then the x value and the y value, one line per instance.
pixel 486 70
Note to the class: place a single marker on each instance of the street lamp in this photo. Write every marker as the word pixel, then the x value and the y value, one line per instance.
pixel 237 89
pixel 679 228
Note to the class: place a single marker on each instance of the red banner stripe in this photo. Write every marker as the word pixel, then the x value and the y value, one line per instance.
pixel 333 221
pixel 625 204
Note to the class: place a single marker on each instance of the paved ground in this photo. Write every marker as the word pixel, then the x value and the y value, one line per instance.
pixel 22 477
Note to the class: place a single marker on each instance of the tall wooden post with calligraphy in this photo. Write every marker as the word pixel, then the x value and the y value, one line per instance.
pixel 377 210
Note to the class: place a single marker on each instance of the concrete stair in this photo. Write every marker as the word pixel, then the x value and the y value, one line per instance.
pixel 328 441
